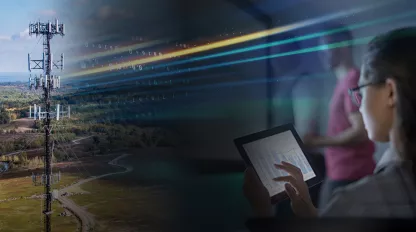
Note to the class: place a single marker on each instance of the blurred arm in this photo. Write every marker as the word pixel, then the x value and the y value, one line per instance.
pixel 353 135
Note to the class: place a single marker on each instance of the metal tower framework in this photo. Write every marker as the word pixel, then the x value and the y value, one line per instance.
pixel 47 30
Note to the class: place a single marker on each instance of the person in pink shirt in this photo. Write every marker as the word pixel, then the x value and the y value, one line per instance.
pixel 348 150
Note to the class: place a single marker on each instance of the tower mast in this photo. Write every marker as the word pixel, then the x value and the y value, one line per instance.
pixel 48 83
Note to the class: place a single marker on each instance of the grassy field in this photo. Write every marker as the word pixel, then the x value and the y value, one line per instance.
pixel 123 208
pixel 143 199
pixel 23 187
pixel 25 215
pixel 158 191
pixel 146 199
pixel 20 183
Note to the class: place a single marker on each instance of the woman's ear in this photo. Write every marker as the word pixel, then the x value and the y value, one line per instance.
pixel 391 91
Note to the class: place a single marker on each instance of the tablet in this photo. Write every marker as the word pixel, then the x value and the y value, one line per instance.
pixel 264 149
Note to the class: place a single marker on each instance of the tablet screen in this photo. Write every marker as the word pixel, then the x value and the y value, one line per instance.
pixel 266 152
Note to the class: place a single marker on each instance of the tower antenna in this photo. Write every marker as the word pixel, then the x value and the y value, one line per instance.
pixel 48 82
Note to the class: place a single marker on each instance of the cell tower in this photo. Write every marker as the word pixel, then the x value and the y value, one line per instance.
pixel 47 82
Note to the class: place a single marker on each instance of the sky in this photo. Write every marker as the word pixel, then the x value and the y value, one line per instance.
pixel 79 16
pixel 15 42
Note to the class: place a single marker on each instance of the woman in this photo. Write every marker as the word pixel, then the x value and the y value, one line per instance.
pixel 386 95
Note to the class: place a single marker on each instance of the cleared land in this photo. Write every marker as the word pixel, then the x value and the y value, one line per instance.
pixel 142 199
pixel 21 213
pixel 25 215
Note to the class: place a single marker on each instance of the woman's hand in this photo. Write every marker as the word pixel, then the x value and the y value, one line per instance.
pixel 257 195
pixel 298 191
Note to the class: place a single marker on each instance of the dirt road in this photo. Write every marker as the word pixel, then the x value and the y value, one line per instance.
pixel 87 219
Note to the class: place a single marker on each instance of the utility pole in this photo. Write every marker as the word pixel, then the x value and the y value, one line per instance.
pixel 48 83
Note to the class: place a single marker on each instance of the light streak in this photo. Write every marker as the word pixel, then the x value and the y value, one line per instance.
pixel 232 41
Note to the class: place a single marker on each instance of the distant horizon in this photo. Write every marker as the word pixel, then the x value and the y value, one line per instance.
pixel 1 81
pixel 14 76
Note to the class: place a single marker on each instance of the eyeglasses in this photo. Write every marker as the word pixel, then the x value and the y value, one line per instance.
pixel 356 95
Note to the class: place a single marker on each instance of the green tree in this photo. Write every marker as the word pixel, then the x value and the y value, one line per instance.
pixel 23 158
pixel 4 116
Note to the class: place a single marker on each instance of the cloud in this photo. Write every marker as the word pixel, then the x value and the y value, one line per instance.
pixel 21 35
pixel 49 12
pixel 5 37
pixel 24 35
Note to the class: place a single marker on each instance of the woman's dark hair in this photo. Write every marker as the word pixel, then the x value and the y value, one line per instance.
pixel 393 55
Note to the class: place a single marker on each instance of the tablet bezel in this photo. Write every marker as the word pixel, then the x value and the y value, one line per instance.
pixel 239 142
